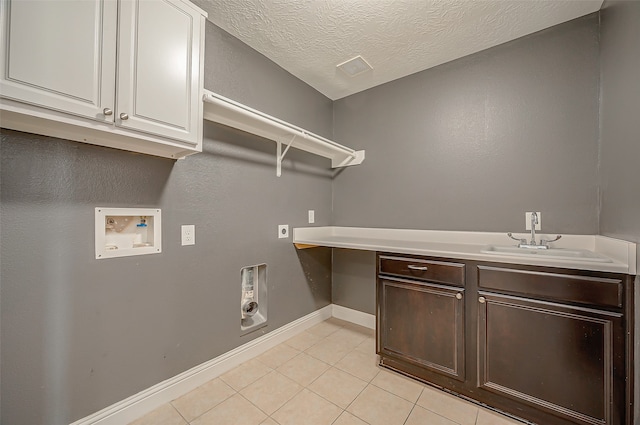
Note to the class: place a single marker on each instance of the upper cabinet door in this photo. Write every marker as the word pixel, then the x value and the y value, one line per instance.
pixel 159 87
pixel 60 55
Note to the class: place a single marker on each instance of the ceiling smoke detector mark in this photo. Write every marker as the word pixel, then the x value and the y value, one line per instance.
pixel 355 66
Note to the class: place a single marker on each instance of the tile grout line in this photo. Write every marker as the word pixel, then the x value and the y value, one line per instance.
pixel 176 409
pixel 208 410
pixel 257 407
pixel 409 415
pixel 377 386
pixel 449 419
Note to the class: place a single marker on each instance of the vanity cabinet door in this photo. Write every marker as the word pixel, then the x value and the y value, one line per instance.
pixel 565 360
pixel 422 323
pixel 159 78
pixel 60 55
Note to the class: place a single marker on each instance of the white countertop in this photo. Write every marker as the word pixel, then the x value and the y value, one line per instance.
pixel 468 245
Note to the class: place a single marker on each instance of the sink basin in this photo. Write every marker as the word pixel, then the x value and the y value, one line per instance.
pixel 559 253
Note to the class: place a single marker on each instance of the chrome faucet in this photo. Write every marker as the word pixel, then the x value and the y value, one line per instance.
pixel 522 243
pixel 534 221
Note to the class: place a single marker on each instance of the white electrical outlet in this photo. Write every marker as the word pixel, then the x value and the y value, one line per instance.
pixel 283 231
pixel 528 220
pixel 188 234
pixel 312 216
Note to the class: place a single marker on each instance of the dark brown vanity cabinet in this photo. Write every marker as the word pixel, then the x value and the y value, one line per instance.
pixel 422 320
pixel 548 345
pixel 568 330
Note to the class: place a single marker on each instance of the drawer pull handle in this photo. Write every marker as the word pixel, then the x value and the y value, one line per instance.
pixel 482 300
pixel 418 268
pixel 458 296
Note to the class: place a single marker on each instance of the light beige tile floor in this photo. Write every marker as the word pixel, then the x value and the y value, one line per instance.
pixel 327 375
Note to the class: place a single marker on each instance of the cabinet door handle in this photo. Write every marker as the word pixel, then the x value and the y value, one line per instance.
pixel 482 300
pixel 107 111
pixel 417 268
pixel 458 296
pixel 124 116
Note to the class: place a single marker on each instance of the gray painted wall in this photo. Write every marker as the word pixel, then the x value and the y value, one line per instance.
pixel 79 334
pixel 620 127
pixel 475 143
pixel 354 279
pixel 620 135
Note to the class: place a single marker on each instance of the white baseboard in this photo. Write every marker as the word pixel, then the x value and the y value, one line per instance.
pixel 354 316
pixel 138 405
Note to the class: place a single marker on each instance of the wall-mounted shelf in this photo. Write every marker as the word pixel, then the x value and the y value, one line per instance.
pixel 233 114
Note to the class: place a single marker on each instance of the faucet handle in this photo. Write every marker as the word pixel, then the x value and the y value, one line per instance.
pixel 546 242
pixel 522 241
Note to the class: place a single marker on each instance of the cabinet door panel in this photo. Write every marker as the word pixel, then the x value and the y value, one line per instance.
pixel 424 324
pixel 558 358
pixel 158 71
pixel 60 55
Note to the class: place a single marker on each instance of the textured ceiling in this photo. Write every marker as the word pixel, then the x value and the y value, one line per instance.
pixel 309 38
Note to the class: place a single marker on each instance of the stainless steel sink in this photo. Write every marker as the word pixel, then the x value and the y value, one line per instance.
pixel 559 253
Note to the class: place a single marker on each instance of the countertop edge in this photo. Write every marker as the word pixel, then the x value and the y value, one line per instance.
pixel 467 245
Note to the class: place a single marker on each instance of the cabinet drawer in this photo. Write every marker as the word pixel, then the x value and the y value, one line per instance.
pixel 598 291
pixel 416 268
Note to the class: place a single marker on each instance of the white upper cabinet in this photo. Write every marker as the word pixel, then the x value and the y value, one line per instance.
pixel 60 55
pixel 158 69
pixel 126 74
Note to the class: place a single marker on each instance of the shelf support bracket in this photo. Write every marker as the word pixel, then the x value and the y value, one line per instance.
pixel 281 154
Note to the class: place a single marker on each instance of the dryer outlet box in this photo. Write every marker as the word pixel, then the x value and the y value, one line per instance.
pixel 283 231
